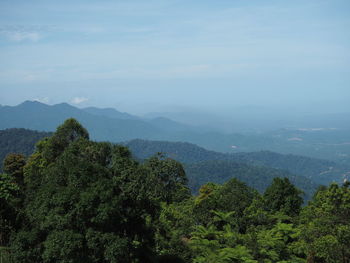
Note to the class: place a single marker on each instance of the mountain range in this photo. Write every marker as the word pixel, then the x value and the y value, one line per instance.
pixel 317 170
pixel 111 125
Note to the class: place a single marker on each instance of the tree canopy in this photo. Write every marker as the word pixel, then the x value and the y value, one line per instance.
pixel 76 200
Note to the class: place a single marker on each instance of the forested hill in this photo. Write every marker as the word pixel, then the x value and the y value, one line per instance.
pixel 77 200
pixel 257 177
pixel 202 166
pixel 320 171
pixel 19 141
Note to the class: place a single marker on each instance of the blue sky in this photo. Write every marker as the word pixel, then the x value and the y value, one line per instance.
pixel 143 56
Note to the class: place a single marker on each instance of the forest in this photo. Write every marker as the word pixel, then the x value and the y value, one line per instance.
pixel 76 200
pixel 18 140
pixel 256 169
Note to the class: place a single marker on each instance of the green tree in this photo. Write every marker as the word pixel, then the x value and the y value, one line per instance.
pixel 8 207
pixel 11 195
pixel 86 202
pixel 283 196
pixel 211 245
pixel 176 223
pixel 13 166
pixel 171 175
pixel 325 226
pixel 233 196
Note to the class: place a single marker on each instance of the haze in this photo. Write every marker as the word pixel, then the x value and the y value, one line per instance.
pixel 171 56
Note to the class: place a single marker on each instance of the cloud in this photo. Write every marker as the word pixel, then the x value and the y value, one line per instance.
pixel 20 33
pixel 79 100
pixel 22 36
pixel 43 100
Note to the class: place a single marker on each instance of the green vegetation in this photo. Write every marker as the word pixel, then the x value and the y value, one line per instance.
pixel 202 166
pixel 257 177
pixel 76 200
pixel 18 141
pixel 317 170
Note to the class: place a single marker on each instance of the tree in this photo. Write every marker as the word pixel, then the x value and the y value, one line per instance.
pixel 283 196
pixel 176 223
pixel 211 245
pixel 13 166
pixel 171 176
pixel 325 226
pixel 233 196
pixel 8 203
pixel 11 195
pixel 86 202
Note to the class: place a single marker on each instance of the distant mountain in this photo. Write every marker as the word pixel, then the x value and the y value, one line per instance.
pixel 320 171
pixel 162 123
pixel 110 113
pixel 103 124
pixel 170 125
pixel 112 125
pixel 42 117
pixel 249 118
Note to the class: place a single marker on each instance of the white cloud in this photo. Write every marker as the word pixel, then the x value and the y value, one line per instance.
pixel 20 33
pixel 43 100
pixel 23 36
pixel 79 100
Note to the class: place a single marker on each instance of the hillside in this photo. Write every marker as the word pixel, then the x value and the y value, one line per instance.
pixel 201 166
pixel 19 141
pixel 320 171
pixel 257 177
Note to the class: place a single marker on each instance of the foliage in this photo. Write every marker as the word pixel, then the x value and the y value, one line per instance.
pixel 88 202
pixel 76 200
pixel 18 141
pixel 318 170
pixel 258 177
pixel 171 176
pixel 257 169
pixel 9 191
pixel 282 196
pixel 325 228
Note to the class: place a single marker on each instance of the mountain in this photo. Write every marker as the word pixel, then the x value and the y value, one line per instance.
pixel 104 124
pixel 158 122
pixel 111 113
pixel 249 118
pixel 42 117
pixel 320 171
pixel 114 126
pixel 170 125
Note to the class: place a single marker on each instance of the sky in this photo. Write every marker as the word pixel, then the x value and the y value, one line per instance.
pixel 177 55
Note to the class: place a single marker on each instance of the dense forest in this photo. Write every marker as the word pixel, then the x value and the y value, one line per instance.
pixel 198 162
pixel 17 140
pixel 258 177
pixel 317 170
pixel 75 200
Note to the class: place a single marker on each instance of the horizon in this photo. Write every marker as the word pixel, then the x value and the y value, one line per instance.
pixel 249 120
